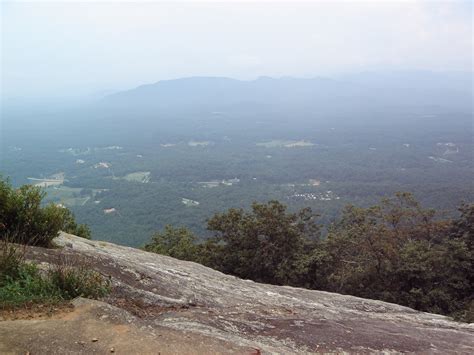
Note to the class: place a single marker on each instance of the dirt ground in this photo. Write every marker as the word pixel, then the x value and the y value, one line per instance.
pixel 92 327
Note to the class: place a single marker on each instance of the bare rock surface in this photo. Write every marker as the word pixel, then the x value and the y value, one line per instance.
pixel 161 304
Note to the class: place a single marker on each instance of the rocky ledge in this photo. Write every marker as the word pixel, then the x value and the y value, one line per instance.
pixel 164 305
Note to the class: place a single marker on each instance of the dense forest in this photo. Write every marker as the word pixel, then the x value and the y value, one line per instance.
pixel 143 183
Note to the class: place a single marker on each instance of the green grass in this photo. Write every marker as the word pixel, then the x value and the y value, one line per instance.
pixel 23 284
pixel 139 176
pixel 69 196
pixel 78 282
pixel 28 287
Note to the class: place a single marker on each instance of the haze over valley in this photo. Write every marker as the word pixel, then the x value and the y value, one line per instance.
pixel 175 152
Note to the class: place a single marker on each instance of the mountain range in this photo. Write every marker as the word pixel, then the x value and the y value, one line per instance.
pixel 364 90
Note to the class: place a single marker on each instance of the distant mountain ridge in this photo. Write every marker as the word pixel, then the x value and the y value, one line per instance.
pixel 366 89
pixel 204 90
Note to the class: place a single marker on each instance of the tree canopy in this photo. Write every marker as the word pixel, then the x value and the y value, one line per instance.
pixel 395 251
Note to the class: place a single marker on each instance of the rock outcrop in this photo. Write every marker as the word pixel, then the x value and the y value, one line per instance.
pixel 161 304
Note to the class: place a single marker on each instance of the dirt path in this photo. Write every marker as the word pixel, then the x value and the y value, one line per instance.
pixel 94 327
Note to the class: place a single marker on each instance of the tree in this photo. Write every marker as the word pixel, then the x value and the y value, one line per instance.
pixel 433 278
pixel 462 233
pixel 266 244
pixel 397 252
pixel 24 220
pixel 70 225
pixel 178 242
pixel 463 227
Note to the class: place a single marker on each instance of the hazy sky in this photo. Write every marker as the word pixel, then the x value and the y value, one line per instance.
pixel 81 47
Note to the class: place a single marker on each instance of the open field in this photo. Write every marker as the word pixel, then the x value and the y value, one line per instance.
pixel 189 203
pixel 139 176
pixel 53 180
pixel 70 196
pixel 199 143
pixel 279 143
pixel 46 182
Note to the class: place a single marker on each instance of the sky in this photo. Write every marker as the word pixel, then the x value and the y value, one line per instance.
pixel 80 48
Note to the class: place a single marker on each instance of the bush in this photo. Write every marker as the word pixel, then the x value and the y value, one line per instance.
pixel 24 220
pixel 78 282
pixel 10 262
pixel 28 287
pixel 22 283
pixel 179 243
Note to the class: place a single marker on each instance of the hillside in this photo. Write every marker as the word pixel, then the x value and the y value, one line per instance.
pixel 367 90
pixel 161 304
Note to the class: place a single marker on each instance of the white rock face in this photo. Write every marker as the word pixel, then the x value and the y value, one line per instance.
pixel 188 297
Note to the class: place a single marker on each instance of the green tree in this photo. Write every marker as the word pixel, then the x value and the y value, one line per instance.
pixel 463 227
pixel 266 244
pixel 462 232
pixel 432 278
pixel 397 252
pixel 24 220
pixel 178 242
pixel 70 225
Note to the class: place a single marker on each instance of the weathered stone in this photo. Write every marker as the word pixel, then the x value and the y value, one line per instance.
pixel 162 295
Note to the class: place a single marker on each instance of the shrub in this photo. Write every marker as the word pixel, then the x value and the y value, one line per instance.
pixel 24 220
pixel 10 262
pixel 27 287
pixel 179 243
pixel 22 283
pixel 78 282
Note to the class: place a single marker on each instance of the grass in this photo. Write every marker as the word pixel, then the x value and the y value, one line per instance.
pixel 78 282
pixel 10 261
pixel 24 284
pixel 139 176
pixel 280 143
pixel 69 196
pixel 28 287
